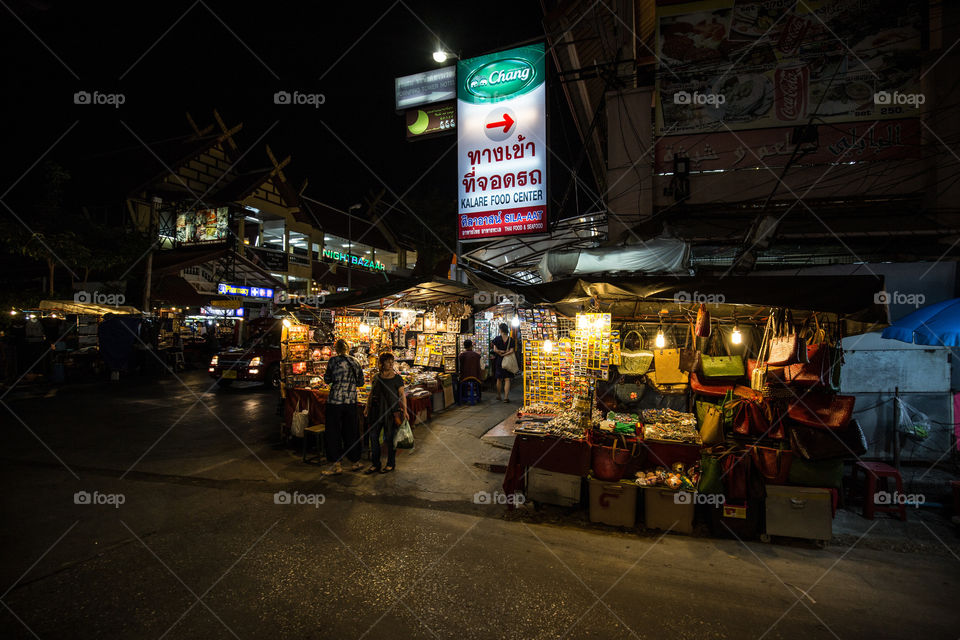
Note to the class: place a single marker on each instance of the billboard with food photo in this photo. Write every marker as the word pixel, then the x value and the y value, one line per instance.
pixel 751 64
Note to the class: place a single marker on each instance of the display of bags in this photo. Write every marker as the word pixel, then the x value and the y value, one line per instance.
pixel 628 393
pixel 772 463
pixel 610 463
pixel 722 366
pixel 812 443
pixel 786 345
pixel 634 359
pixel 823 410
pixel 404 436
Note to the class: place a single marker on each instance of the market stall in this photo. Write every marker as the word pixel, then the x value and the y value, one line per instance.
pixel 712 408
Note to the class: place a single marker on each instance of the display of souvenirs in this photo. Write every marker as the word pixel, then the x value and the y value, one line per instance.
pixel 296 357
pixel 348 328
pixel 677 477
pixel 537 408
pixel 670 425
pixel 538 324
pixel 591 348
pixel 542 378
pixel 429 349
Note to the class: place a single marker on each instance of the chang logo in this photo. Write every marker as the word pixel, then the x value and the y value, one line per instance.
pixel 501 78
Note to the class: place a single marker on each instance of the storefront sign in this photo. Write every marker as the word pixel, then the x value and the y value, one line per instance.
pixel 502 149
pixel 267 258
pixel 226 304
pixel 225 289
pixel 426 88
pixel 330 255
pixel 221 313
pixel 433 120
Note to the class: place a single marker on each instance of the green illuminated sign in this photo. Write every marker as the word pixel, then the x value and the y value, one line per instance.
pixel 499 76
pixel 352 260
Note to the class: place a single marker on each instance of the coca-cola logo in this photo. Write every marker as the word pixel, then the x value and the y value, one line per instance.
pixel 791 92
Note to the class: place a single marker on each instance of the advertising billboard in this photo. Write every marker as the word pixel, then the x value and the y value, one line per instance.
pixel 203 225
pixel 752 64
pixel 501 144
pixel 433 120
pixel 425 88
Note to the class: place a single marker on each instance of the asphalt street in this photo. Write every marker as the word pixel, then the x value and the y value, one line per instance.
pixel 200 526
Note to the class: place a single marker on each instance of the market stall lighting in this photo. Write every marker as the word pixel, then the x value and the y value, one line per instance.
pixel 736 337
pixel 547 346
pixel 515 322
pixel 287 323
pixel 13 312
pixel 660 341
pixel 364 327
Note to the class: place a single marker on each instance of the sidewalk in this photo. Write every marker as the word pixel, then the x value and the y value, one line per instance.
pixel 442 466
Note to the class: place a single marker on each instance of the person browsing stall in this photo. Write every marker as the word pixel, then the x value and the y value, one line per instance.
pixel 386 409
pixel 341 437
pixel 503 345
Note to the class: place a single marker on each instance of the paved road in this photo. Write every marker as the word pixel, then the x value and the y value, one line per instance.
pixel 200 548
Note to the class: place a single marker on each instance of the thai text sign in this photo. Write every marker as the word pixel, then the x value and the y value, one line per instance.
pixel 502 153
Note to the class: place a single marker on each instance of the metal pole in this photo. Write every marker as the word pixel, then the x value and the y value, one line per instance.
pixel 896 428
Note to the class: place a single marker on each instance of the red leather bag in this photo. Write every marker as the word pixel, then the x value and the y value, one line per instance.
pixel 773 464
pixel 823 410
pixel 703 322
pixel 706 387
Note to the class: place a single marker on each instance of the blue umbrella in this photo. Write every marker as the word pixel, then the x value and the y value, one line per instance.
pixel 935 325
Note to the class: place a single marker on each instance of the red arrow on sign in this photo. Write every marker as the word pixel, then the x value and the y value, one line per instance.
pixel 506 123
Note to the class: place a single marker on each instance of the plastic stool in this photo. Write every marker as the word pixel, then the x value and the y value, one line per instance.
pixel 469 391
pixel 880 471
pixel 317 430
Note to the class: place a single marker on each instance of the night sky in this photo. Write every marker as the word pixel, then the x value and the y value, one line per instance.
pixel 234 61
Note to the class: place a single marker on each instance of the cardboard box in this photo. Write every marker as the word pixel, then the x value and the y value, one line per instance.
pixel 667 509
pixel 553 488
pixel 613 503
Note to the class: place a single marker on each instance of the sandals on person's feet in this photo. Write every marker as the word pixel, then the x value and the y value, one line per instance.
pixel 332 472
pixel 357 466
pixel 387 469
pixel 371 470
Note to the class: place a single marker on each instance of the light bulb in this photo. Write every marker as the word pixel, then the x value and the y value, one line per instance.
pixel 661 341
pixel 516 321
pixel 547 346
pixel 287 323
pixel 364 327
pixel 440 56
pixel 736 337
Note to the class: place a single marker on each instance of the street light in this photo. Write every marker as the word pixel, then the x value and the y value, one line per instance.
pixel 440 56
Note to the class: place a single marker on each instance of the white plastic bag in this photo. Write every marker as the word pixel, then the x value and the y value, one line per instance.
pixel 404 437
pixel 912 423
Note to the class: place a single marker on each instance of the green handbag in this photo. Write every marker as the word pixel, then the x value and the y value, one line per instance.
pixel 722 366
pixel 711 474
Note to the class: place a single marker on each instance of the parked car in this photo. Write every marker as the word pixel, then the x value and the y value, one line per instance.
pixel 256 360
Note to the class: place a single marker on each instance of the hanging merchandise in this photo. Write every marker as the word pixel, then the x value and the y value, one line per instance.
pixel 703 321
pixel 717 366
pixel 542 374
pixel 634 359
pixel 689 354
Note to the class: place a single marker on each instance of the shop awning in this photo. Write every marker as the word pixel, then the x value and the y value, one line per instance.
pixel 403 292
pixel 173 261
pixel 850 297
pixel 78 308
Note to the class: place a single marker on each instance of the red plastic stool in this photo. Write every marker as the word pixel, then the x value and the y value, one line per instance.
pixel 880 471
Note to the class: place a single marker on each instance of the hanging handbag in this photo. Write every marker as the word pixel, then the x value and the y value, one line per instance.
pixel 711 423
pixel 703 322
pixel 634 361
pixel 666 364
pixel 717 366
pixel 758 376
pixel 824 444
pixel 711 472
pixel 772 463
pixel 628 393
pixel 822 410
pixel 709 387
pixel 785 343
pixel 689 360
pixel 300 421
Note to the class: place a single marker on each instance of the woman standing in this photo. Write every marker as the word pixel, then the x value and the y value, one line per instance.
pixel 503 345
pixel 342 436
pixel 386 406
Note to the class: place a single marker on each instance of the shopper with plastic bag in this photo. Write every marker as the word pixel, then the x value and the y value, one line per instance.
pixel 386 414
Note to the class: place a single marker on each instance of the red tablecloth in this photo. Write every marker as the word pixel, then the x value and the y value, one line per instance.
pixel 550 454
pixel 315 401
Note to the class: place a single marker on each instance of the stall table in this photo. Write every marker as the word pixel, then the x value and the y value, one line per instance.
pixel 315 401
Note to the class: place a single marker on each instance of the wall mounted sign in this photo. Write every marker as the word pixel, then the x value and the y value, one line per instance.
pixel 330 255
pixel 429 121
pixel 426 88
pixel 245 291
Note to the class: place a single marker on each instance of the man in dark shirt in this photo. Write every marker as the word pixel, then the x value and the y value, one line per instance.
pixel 470 364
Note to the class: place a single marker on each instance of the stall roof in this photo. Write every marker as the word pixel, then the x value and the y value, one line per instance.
pixel 402 292
pixel 851 297
pixel 73 307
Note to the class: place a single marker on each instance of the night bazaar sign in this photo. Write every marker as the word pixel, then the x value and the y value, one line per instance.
pixel 352 260
pixel 501 144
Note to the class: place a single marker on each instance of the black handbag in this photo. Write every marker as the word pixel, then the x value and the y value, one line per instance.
pixel 812 443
